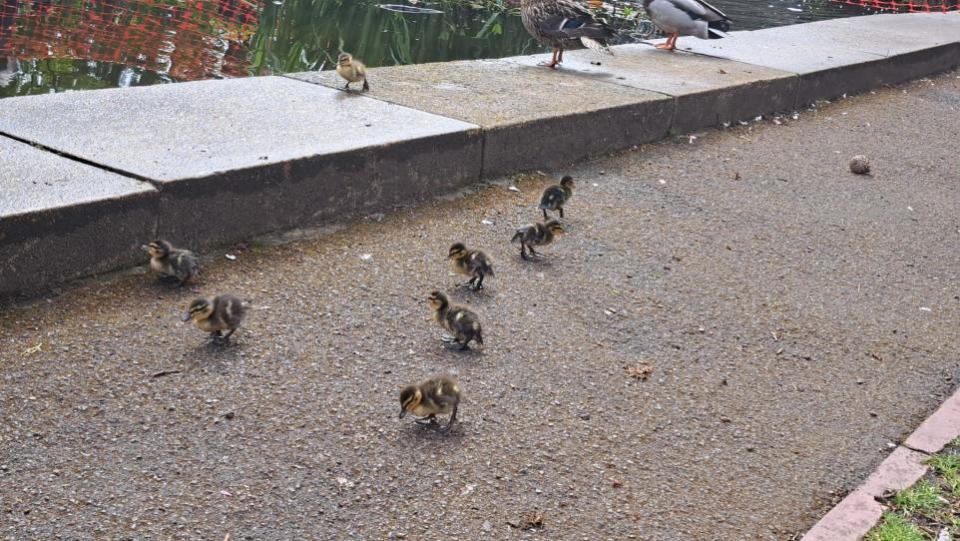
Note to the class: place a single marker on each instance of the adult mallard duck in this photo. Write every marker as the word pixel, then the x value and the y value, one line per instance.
pixel 564 24
pixel 686 18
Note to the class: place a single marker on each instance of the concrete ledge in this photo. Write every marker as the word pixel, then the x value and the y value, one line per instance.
pixel 846 56
pixel 230 159
pixel 60 219
pixel 242 157
pixel 708 91
pixel 531 117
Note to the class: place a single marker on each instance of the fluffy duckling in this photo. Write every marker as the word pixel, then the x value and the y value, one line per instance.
pixel 472 263
pixel 352 70
pixel 686 18
pixel 463 324
pixel 170 262
pixel 564 24
pixel 539 234
pixel 436 396
pixel 221 313
pixel 555 196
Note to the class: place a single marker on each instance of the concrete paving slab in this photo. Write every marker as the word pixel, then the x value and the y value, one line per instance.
pixel 845 56
pixel 60 219
pixel 532 117
pixel 241 157
pixel 709 91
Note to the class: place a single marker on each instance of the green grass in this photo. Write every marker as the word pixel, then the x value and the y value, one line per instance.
pixel 948 467
pixel 894 527
pixel 922 498
pixel 927 506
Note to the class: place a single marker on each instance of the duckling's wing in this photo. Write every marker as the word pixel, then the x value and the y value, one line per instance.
pixel 480 261
pixel 521 233
pixel 552 197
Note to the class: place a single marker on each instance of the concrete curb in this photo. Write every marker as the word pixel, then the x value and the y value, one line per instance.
pixel 229 159
pixel 856 514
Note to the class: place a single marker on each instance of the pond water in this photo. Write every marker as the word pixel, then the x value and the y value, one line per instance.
pixel 60 45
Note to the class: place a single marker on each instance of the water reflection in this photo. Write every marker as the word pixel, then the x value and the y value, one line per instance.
pixel 57 45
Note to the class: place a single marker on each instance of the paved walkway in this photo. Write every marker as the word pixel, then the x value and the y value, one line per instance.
pixel 797 318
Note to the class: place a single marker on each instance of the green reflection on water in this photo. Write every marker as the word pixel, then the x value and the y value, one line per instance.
pixel 59 45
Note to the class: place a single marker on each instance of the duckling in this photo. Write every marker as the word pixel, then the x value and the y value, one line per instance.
pixel 472 263
pixel 539 234
pixel 439 395
pixel 555 196
pixel 221 313
pixel 686 18
pixel 352 70
pixel 172 262
pixel 462 323
pixel 564 24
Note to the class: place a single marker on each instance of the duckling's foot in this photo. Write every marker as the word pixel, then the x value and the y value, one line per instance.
pixel 427 421
pixel 453 419
pixel 665 46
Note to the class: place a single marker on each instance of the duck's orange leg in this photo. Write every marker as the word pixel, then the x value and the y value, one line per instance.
pixel 553 63
pixel 670 44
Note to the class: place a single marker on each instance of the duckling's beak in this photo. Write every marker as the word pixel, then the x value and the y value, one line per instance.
pixel 186 317
pixel 402 413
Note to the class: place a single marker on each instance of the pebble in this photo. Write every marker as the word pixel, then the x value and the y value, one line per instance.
pixel 860 165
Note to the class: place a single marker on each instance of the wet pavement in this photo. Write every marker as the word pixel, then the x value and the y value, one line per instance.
pixel 797 318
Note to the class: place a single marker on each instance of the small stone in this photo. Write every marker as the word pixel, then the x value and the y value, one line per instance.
pixel 487 526
pixel 585 416
pixel 228 415
pixel 860 165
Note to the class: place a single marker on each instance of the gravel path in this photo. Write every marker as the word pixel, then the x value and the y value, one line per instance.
pixel 797 319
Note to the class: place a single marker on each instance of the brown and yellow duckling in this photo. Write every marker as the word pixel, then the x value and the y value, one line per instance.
pixel 462 323
pixel 170 262
pixel 555 196
pixel 352 70
pixel 472 263
pixel 539 234
pixel 216 315
pixel 435 396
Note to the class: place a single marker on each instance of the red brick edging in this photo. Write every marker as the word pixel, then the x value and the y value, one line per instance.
pixel 853 517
